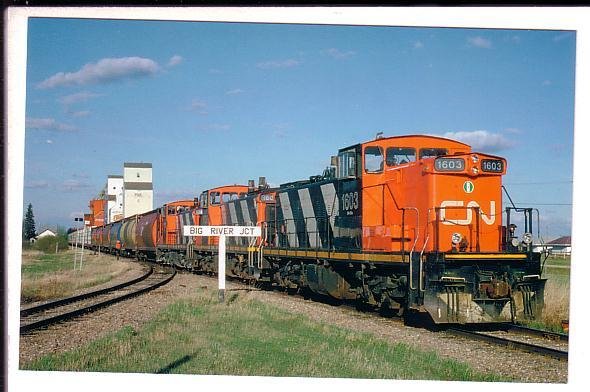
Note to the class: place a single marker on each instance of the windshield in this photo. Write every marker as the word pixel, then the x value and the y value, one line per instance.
pixel 400 155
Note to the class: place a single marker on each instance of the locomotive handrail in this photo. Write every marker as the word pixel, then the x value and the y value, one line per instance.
pixel 416 236
pixel 262 242
pixel 421 256
pixel 403 209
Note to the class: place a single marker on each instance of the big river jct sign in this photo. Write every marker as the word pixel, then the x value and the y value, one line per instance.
pixel 222 232
pixel 228 231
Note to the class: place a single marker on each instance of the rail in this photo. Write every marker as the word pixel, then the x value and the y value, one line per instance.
pixel 81 297
pixel 76 308
pixel 553 352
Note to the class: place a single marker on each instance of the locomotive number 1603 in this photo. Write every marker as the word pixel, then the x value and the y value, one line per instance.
pixel 350 202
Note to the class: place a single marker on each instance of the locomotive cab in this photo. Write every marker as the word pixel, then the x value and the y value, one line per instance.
pixel 439 205
pixel 210 203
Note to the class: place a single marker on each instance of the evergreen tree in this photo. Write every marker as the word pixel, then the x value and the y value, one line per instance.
pixel 29 224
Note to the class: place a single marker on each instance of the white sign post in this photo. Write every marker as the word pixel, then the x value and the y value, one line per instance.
pixel 222 232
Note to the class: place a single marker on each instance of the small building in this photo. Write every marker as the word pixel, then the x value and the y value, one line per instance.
pixel 561 246
pixel 114 192
pixel 44 233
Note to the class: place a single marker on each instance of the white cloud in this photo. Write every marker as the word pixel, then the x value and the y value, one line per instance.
pixel 418 45
pixel 280 134
pixel 74 186
pixel 105 70
pixel 513 130
pixel 77 97
pixel 37 184
pixel 278 64
pixel 214 128
pixel 234 91
pixel 280 130
pixel 481 140
pixel 48 124
pixel 338 54
pixel 479 42
pixel 175 60
pixel 198 106
pixel 49 141
pixel 80 113
pixel 546 83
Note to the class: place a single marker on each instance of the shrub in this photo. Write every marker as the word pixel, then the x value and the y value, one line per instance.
pixel 47 244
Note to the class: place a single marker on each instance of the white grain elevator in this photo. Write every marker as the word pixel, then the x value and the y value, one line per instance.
pixel 138 194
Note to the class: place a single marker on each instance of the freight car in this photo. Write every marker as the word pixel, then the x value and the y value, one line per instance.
pixel 80 237
pixel 411 224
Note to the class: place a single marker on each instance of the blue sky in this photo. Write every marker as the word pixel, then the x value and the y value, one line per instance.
pixel 215 103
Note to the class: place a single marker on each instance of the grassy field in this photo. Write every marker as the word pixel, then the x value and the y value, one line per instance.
pixel 557 291
pixel 51 275
pixel 247 337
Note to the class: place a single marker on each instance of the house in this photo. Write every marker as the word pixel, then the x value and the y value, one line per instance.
pixel 561 246
pixel 44 233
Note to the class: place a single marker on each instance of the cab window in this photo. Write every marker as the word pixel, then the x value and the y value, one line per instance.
pixel 203 200
pixel 347 164
pixel 400 155
pixel 214 198
pixel 432 152
pixel 373 159
pixel 228 197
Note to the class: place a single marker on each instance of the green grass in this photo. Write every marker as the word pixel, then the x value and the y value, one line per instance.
pixel 42 264
pixel 48 276
pixel 557 272
pixel 558 261
pixel 247 337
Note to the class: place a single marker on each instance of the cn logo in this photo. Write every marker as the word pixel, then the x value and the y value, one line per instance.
pixel 488 219
pixel 468 186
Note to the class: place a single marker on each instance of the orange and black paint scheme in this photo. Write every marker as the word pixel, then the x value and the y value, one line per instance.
pixel 412 224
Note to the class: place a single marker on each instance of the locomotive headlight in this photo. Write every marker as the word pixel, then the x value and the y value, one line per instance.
pixel 456 238
pixel 474 158
pixel 515 242
pixel 527 238
pixel 475 170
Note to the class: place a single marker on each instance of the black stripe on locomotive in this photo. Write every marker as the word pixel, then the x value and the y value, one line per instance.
pixel 337 223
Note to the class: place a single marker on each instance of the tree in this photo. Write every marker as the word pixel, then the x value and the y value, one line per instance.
pixel 29 224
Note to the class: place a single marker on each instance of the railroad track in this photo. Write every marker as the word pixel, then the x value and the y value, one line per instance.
pixel 41 316
pixel 535 341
